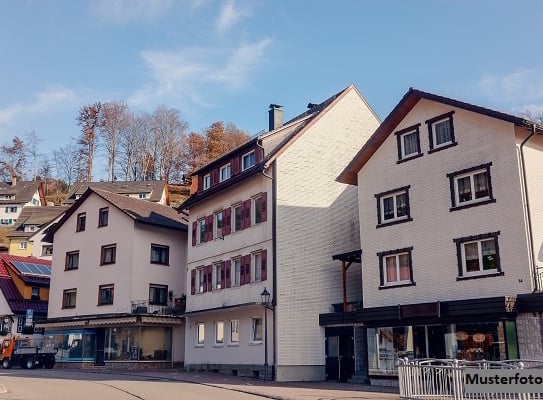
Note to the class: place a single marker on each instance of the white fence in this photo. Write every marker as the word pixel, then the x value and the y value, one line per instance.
pixel 432 379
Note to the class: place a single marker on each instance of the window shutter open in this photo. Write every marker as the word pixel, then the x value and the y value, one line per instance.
pixel 200 183
pixel 205 279
pixel 223 274
pixel 248 213
pixel 209 274
pixel 264 266
pixel 226 227
pixel 193 281
pixel 227 268
pixel 242 270
pixel 248 268
pixel 194 228
pixel 235 165
pixel 264 214
pixel 210 237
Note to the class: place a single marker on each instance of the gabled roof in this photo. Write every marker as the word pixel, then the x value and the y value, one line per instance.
pixel 144 212
pixel 39 216
pixel 154 189
pixel 406 104
pixel 21 191
pixel 274 142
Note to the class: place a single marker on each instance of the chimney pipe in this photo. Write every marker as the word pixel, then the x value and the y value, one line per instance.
pixel 275 114
pixel 13 180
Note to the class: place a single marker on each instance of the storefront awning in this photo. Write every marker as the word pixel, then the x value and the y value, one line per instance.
pixel 160 320
pixel 64 324
pixel 112 321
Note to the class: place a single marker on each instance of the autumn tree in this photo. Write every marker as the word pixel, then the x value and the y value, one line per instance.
pixel 195 151
pixel 89 120
pixel 114 120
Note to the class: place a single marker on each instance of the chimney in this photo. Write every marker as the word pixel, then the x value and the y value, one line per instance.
pixel 13 180
pixel 275 116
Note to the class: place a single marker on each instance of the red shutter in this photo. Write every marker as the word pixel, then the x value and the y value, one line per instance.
pixel 209 270
pixel 216 172
pixel 248 213
pixel 205 279
pixel 242 270
pixel 193 281
pixel 264 214
pixel 259 154
pixel 194 228
pixel 210 224
pixel 264 265
pixel 242 206
pixel 223 275
pixel 248 268
pixel 227 268
pixel 226 227
pixel 200 183
pixel 235 165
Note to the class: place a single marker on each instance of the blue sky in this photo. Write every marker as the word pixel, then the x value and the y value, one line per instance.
pixel 228 60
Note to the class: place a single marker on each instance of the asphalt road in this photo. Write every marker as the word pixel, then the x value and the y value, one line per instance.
pixel 57 384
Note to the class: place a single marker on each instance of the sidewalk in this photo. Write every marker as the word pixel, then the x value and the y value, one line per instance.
pixel 277 390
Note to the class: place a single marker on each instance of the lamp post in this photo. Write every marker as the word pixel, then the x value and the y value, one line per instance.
pixel 265 295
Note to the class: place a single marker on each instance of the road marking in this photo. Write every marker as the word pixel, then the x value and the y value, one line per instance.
pixel 3 389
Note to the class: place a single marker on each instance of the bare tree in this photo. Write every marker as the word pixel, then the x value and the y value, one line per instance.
pixel 169 131
pixel 33 140
pixel 88 119
pixel 13 159
pixel 114 122
pixel 45 172
pixel 66 163
pixel 537 118
pixel 132 146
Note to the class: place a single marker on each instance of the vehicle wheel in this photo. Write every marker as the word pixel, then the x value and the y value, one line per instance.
pixel 29 363
pixel 49 362
pixel 6 363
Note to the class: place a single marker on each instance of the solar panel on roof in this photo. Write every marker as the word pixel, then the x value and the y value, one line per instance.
pixel 31 268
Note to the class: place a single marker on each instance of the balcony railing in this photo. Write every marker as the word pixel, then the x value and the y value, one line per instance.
pixel 539 279
pixel 144 307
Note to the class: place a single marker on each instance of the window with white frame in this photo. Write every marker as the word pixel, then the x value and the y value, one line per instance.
pixel 225 172
pixel 478 255
pixel 396 267
pixel 200 333
pixel 201 230
pixel 200 273
pixel 218 225
pixel 408 142
pixel 471 186
pixel 257 267
pixel 23 244
pixel 217 283
pixel 207 181
pixel 236 271
pixel 11 209
pixel 219 333
pixel 248 160
pixel 393 206
pixel 441 131
pixel 47 250
pixel 256 329
pixel 234 331
pixel 237 213
pixel 142 195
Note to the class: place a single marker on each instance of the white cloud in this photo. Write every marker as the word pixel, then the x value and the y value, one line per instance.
pixel 521 85
pixel 230 15
pixel 188 73
pixel 49 99
pixel 126 11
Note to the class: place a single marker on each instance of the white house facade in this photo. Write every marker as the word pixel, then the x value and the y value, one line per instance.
pixel 118 282
pixel 270 215
pixel 449 236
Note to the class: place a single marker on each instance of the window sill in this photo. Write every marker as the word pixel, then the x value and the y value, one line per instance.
pixel 233 345
pixel 394 222
pixel 199 346
pixel 443 147
pixel 409 158
pixel 159 263
pixel 472 204
pixel 479 275
pixel 218 346
pixel 399 285
pixel 255 343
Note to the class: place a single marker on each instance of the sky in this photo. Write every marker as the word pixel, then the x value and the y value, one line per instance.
pixel 227 60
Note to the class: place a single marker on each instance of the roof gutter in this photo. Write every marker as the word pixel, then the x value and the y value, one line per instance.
pixel 531 253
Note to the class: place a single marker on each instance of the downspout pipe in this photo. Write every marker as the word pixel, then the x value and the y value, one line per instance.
pixel 527 207
pixel 274 256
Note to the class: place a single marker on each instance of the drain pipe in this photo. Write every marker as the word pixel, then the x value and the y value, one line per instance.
pixel 274 257
pixel 527 207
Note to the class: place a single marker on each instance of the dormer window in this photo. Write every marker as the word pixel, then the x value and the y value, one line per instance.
pixel 225 172
pixel 142 195
pixel 207 181
pixel 248 160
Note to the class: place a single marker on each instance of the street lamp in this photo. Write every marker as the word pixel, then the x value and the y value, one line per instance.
pixel 265 295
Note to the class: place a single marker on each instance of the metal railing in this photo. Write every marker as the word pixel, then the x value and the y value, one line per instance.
pixel 144 307
pixel 433 379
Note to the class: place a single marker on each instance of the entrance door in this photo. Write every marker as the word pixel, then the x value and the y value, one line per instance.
pixel 339 353
pixel 99 348
pixel 436 341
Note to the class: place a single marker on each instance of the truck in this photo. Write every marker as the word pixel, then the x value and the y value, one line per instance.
pixel 27 351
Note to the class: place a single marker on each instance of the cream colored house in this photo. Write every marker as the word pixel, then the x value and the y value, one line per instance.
pixel 153 191
pixel 118 282
pixel 15 195
pixel 271 215
pixel 451 227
